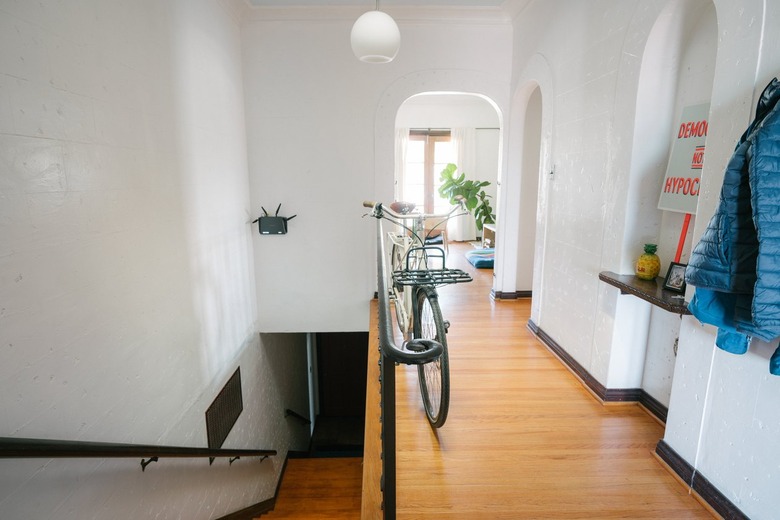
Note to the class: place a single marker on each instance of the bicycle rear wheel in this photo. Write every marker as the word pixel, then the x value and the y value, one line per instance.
pixel 434 376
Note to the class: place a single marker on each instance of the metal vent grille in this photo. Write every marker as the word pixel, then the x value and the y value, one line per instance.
pixel 224 411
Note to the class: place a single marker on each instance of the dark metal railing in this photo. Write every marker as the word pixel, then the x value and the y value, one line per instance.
pixel 390 355
pixel 15 448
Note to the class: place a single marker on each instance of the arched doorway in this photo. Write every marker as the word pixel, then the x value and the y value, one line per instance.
pixel 529 189
pixel 437 128
pixel 524 191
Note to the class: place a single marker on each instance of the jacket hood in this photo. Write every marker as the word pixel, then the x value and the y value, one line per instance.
pixel 768 99
pixel 766 103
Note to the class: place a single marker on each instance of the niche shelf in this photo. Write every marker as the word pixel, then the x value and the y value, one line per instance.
pixel 648 290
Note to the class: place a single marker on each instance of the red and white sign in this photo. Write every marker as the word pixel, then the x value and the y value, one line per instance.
pixel 680 189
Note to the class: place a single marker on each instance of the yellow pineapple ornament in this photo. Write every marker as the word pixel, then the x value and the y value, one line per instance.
pixel 649 265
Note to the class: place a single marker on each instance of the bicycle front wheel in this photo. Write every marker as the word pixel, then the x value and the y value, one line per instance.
pixel 434 376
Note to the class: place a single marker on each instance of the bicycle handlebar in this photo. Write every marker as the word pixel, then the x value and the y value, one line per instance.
pixel 379 209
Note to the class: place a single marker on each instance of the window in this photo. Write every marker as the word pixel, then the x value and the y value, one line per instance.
pixel 427 153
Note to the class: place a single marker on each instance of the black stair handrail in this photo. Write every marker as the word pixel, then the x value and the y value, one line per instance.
pixel 20 448
pixel 391 354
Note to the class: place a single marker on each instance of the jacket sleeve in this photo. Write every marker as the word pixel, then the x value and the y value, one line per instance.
pixel 765 190
pixel 724 258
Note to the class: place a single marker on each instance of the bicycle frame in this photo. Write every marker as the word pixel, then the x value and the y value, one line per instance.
pixel 413 288
pixel 402 300
pixel 409 252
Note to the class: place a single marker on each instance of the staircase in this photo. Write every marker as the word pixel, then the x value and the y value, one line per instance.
pixel 333 487
pixel 320 488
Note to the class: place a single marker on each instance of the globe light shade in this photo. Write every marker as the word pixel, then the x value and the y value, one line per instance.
pixel 375 37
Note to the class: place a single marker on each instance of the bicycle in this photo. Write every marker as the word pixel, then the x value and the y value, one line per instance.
pixel 413 291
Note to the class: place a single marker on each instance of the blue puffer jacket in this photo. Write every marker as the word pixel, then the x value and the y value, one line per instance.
pixel 735 267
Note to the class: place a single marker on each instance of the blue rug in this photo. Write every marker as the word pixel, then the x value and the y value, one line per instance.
pixel 481 258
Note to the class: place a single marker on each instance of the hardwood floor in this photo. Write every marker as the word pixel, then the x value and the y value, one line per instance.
pixel 320 488
pixel 524 438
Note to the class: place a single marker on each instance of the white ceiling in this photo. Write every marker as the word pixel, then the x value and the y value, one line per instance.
pixel 371 3
pixel 480 11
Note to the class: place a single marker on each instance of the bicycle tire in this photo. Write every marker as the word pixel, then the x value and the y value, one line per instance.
pixel 434 377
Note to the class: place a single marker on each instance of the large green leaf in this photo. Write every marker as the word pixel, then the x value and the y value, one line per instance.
pixel 469 192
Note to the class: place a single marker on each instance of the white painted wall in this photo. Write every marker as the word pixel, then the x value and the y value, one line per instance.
pixel 581 49
pixel 127 293
pixel 587 62
pixel 320 128
pixel 723 416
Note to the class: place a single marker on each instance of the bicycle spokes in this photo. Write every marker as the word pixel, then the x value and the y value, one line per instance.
pixel 433 376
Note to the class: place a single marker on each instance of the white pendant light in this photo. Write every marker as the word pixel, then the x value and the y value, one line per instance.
pixel 375 37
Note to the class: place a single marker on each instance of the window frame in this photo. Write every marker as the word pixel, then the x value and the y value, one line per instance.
pixel 430 137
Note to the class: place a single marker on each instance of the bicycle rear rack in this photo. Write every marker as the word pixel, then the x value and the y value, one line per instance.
pixel 430 276
pixel 425 255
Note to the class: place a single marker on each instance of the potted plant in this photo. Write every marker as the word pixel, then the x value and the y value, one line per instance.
pixel 470 193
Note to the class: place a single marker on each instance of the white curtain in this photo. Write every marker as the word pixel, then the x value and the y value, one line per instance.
pixel 401 142
pixel 464 150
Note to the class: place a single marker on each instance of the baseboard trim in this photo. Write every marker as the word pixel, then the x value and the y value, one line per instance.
pixel 606 395
pixel 654 406
pixel 698 483
pixel 261 508
pixel 703 488
pixel 500 295
pixel 582 374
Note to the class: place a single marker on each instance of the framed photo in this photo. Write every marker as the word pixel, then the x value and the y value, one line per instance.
pixel 675 278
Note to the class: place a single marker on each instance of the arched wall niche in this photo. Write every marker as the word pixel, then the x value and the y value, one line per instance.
pixel 657 35
pixel 633 342
pixel 677 71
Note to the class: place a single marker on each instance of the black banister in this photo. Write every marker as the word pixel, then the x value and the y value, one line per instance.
pixel 18 448
pixel 391 355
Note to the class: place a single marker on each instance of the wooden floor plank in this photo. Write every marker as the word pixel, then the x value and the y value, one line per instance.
pixel 524 438
pixel 320 488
